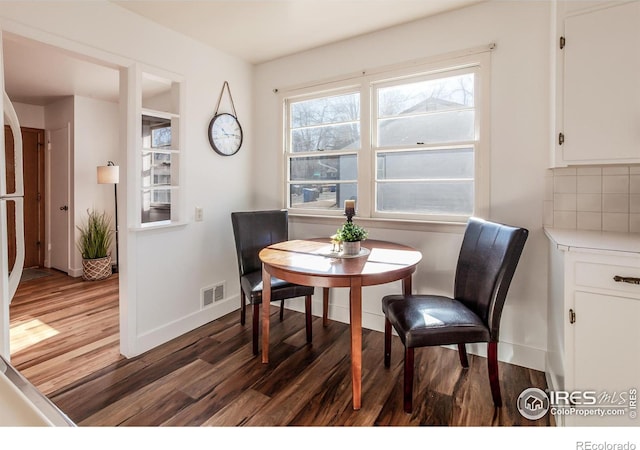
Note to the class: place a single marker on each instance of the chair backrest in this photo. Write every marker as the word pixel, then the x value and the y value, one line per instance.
pixel 254 230
pixel 488 259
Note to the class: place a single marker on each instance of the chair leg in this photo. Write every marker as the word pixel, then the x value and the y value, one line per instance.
pixel 492 361
pixel 387 343
pixel 243 308
pixel 408 379
pixel 256 327
pixel 281 310
pixel 462 352
pixel 307 313
pixel 325 306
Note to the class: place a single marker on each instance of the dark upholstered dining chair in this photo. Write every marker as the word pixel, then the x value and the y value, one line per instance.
pixel 488 258
pixel 254 230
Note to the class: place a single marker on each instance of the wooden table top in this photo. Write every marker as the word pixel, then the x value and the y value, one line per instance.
pixel 313 259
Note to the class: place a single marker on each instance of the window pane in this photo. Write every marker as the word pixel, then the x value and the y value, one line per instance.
pixel 331 137
pixel 156 169
pixel 425 164
pixel 343 167
pixel 431 111
pixel 326 123
pixel 156 132
pixel 438 197
pixel 427 96
pixel 321 195
pixel 325 110
pixel 156 205
pixel 448 126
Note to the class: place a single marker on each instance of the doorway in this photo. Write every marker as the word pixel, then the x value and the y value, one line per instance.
pixel 77 116
pixel 34 196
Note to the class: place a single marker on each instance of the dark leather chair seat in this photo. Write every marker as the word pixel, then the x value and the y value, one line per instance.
pixel 434 320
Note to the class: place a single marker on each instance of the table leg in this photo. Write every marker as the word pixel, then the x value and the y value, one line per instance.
pixel 266 302
pixel 355 310
pixel 406 285
pixel 325 307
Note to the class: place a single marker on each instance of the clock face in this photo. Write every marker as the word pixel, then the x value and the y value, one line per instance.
pixel 225 134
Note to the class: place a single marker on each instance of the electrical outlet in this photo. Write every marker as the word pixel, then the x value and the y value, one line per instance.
pixel 199 214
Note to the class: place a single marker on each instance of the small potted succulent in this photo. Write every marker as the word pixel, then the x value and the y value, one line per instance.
pixel 351 235
pixel 94 243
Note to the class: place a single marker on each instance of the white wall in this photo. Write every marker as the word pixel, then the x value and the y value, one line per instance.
pixel 31 116
pixel 520 104
pixel 96 141
pixel 160 286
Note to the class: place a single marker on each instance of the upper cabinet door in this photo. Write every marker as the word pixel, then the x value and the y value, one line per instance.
pixel 601 108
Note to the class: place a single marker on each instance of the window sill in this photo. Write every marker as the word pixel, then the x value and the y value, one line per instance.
pixel 159 226
pixel 377 222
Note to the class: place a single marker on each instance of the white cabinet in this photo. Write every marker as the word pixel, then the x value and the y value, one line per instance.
pixel 594 312
pixel 600 86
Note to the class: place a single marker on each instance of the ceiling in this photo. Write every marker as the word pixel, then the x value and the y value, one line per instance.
pixel 261 30
pixel 253 30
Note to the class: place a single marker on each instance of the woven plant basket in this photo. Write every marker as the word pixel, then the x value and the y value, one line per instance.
pixel 96 269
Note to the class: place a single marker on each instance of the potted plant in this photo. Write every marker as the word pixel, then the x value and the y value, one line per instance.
pixel 94 243
pixel 351 235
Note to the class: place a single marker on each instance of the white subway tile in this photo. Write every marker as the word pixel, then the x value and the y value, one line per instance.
pixel 589 184
pixel 564 219
pixel 588 170
pixel 564 202
pixel 615 203
pixel 615 170
pixel 634 203
pixel 565 185
pixel 615 222
pixel 589 221
pixel 634 184
pixel 548 213
pixel 564 171
pixel 589 202
pixel 615 184
pixel 634 170
pixel 634 223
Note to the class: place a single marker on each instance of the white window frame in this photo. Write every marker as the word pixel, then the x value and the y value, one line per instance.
pixel 175 114
pixel 478 60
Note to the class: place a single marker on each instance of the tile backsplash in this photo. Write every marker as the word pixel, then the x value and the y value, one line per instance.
pixel 603 198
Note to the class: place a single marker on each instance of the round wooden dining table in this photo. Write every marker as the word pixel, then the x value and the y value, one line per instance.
pixel 313 262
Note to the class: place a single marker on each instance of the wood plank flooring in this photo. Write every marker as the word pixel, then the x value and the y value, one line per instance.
pixel 64 339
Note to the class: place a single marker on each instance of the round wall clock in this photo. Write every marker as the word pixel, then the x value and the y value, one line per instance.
pixel 225 134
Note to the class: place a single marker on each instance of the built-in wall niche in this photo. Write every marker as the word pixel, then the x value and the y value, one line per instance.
pixel 160 150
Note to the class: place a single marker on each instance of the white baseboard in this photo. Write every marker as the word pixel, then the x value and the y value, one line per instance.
pixel 158 336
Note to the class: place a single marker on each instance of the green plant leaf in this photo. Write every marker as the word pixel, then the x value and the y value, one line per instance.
pixel 96 235
pixel 350 232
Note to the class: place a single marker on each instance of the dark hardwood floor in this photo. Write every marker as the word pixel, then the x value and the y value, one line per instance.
pixel 64 339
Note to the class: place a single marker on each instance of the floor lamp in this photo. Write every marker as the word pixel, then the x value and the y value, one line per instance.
pixel 110 174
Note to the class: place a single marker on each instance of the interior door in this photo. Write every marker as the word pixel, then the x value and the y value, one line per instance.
pixel 33 168
pixel 58 158
pixel 33 165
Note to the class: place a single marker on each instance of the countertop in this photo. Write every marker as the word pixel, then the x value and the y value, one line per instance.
pixel 595 241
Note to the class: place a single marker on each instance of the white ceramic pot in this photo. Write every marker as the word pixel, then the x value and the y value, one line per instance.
pixel 351 248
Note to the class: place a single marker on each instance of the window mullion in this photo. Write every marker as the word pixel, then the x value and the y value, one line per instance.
pixel 366 160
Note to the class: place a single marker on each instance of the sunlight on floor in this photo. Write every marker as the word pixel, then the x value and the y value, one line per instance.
pixel 30 333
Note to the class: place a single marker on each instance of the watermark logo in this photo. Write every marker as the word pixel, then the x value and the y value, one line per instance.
pixel 533 403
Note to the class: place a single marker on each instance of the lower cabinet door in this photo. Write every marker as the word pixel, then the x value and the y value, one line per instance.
pixel 606 357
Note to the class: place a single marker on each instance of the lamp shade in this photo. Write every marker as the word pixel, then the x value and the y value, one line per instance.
pixel 108 174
